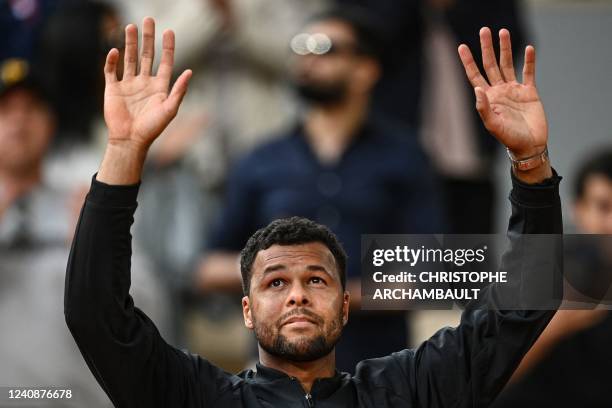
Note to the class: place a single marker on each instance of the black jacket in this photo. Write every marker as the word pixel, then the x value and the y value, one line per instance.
pixel 465 366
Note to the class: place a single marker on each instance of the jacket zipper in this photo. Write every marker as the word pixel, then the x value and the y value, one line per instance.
pixel 308 397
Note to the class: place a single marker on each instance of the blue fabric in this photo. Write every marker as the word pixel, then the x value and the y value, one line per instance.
pixel 19 34
pixel 382 184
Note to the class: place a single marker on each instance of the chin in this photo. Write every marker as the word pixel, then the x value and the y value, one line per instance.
pixel 300 340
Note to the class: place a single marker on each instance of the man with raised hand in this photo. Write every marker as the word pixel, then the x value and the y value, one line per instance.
pixel 293 273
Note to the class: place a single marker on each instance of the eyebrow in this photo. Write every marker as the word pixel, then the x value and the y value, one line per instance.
pixel 274 268
pixel 313 268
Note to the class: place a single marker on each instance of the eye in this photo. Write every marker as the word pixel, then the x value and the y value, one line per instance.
pixel 276 283
pixel 317 280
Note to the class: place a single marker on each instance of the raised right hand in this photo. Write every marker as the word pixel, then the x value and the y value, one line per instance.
pixel 138 108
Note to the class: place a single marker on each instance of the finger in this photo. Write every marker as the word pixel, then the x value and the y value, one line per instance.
pixel 110 67
pixel 529 68
pixel 167 59
pixel 471 69
pixel 505 55
pixel 148 46
pixel 484 109
pixel 489 61
pixel 131 51
pixel 177 93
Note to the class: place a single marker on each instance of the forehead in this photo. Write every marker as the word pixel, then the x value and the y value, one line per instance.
pixel 19 96
pixel 598 185
pixel 334 29
pixel 295 257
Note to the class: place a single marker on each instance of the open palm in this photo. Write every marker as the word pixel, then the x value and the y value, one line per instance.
pixel 511 111
pixel 139 107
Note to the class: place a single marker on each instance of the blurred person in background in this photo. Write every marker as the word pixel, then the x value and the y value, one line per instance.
pixel 569 365
pixel 423 86
pixel 36 222
pixel 27 128
pixel 71 48
pixel 340 165
pixel 593 194
pixel 453 135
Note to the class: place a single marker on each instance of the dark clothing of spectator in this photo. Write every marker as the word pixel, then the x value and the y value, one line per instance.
pixel 401 26
pixel 20 26
pixel 382 184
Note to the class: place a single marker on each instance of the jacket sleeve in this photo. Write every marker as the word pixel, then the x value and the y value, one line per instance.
pixel 468 366
pixel 120 344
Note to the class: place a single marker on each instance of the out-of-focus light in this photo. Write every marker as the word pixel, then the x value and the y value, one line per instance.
pixel 318 44
pixel 298 44
pixel 23 9
pixel 12 70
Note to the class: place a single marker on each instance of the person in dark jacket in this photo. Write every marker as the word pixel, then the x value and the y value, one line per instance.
pixel 295 300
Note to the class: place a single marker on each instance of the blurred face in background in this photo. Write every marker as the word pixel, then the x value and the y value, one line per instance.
pixel 336 70
pixel 26 128
pixel 593 210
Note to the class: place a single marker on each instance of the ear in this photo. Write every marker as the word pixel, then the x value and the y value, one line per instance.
pixel 246 313
pixel 346 302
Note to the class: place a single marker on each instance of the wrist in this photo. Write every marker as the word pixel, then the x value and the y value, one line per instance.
pixel 122 163
pixel 524 162
pixel 533 167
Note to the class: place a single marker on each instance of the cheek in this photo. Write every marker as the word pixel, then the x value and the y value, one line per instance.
pixel 587 218
pixel 266 310
pixel 332 305
pixel 40 129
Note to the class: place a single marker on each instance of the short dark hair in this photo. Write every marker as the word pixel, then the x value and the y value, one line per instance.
pixel 367 27
pixel 290 231
pixel 600 164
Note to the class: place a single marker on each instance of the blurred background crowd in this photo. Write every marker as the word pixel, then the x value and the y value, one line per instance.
pixel 353 113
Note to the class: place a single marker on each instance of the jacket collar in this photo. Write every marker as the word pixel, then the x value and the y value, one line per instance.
pixel 321 388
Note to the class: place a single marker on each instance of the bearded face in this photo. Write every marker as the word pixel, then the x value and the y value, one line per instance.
pixel 296 305
pixel 331 73
pixel 283 338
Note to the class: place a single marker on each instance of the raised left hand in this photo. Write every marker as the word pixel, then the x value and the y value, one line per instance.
pixel 510 110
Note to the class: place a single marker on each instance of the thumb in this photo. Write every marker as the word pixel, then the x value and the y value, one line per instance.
pixel 179 89
pixel 484 109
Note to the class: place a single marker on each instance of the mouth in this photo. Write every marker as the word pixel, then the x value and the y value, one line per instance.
pixel 298 321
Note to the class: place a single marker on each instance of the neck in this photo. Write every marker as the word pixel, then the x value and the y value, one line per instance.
pixel 306 372
pixel 16 183
pixel 330 129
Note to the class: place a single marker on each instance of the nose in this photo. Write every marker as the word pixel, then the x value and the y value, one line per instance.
pixel 306 63
pixel 298 296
